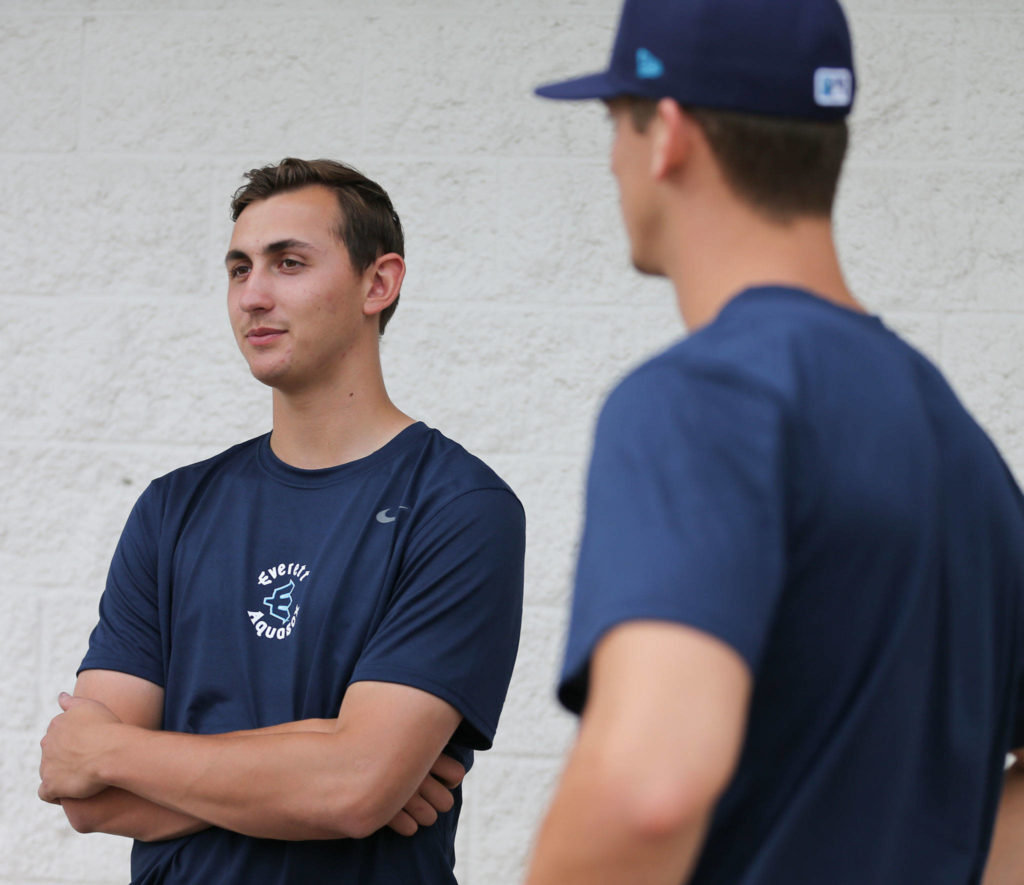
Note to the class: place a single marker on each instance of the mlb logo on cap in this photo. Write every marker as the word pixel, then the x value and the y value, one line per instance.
pixel 833 87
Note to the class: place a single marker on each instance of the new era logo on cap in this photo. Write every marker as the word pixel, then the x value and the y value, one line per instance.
pixel 648 65
pixel 833 87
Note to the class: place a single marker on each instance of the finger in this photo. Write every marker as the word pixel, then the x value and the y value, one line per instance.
pixel 47 796
pixel 437 794
pixel 403 824
pixel 447 770
pixel 64 699
pixel 421 811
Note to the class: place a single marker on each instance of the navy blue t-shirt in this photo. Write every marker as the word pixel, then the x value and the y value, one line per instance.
pixel 255 593
pixel 798 482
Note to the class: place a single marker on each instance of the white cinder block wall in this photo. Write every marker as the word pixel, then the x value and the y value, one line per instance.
pixel 124 127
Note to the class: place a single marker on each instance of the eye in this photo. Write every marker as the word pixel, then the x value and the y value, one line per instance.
pixel 237 271
pixel 291 263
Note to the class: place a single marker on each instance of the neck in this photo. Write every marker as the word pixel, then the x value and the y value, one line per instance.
pixel 738 249
pixel 339 420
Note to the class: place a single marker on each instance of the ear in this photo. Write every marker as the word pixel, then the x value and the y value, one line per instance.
pixel 673 139
pixel 385 277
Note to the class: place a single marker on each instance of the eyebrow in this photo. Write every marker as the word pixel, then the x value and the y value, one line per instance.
pixel 270 249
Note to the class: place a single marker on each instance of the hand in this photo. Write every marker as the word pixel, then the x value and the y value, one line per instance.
pixel 70 746
pixel 431 798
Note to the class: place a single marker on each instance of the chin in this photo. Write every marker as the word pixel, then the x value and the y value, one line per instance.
pixel 272 376
pixel 646 266
pixel 265 379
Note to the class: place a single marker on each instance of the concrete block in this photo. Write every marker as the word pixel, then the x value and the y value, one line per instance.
pixel 511 231
pixel 993 124
pixel 855 9
pixel 36 842
pixel 514 379
pixel 67 617
pixel 563 240
pixel 40 59
pixel 905 107
pixel 220 82
pixel 465 837
pixel 551 490
pixel 19 652
pixel 533 723
pixel 87 225
pixel 451 213
pixel 472 93
pixel 586 8
pixel 933 239
pixel 983 358
pixel 35 8
pixel 508 797
pixel 65 508
pixel 342 8
pixel 155 371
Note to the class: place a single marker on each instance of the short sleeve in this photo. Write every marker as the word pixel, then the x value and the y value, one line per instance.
pixel 685 514
pixel 1017 737
pixel 1017 740
pixel 452 625
pixel 127 637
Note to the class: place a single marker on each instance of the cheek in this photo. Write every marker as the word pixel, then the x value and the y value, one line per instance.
pixel 615 162
pixel 235 315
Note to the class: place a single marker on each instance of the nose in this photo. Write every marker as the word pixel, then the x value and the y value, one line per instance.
pixel 256 293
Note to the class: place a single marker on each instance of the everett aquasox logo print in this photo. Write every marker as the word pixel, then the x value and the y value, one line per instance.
pixel 278 611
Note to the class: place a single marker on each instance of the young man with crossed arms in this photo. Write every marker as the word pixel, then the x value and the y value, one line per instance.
pixel 303 639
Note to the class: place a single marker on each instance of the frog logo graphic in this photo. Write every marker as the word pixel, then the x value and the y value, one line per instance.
pixel 277 619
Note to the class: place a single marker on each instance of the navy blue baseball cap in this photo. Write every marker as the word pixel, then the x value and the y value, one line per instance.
pixel 784 58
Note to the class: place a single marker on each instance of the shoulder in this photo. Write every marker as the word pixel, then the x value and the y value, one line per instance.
pixel 194 473
pixel 457 502
pixel 182 483
pixel 695 383
pixel 772 345
pixel 446 470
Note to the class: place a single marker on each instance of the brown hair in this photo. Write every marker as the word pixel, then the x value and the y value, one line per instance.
pixel 781 166
pixel 367 224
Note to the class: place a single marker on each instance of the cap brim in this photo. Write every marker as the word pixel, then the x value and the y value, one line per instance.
pixel 602 85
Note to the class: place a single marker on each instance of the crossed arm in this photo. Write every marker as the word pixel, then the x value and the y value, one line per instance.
pixel 379 763
pixel 658 743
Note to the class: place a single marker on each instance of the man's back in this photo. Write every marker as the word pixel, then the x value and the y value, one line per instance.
pixel 833 514
pixel 796 619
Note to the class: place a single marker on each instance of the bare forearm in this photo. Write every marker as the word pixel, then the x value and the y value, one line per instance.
pixel 302 726
pixel 282 786
pixel 591 835
pixel 276 783
pixel 121 813
pixel 124 814
pixel 1006 857
pixel 678 696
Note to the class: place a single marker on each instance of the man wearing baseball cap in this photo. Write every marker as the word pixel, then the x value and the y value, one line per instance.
pixel 797 637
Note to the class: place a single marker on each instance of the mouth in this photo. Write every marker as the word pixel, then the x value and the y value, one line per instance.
pixel 262 335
